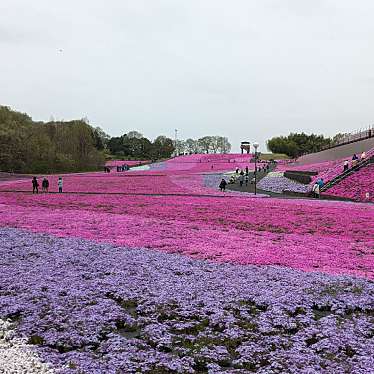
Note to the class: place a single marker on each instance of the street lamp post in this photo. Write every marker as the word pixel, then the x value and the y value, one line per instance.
pixel 176 142
pixel 255 145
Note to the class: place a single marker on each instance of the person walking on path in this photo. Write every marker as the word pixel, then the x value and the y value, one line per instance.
pixel 241 179
pixel 316 190
pixel 246 179
pixel 222 185
pixel 346 165
pixel 60 184
pixel 45 184
pixel 35 185
pixel 246 170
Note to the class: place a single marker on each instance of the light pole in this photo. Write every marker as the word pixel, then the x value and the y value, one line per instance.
pixel 176 142
pixel 255 145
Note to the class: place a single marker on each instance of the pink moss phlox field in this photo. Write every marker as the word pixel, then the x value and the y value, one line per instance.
pixel 114 163
pixel 205 163
pixel 180 175
pixel 325 169
pixel 138 183
pixel 332 237
pixel 356 186
pixel 109 183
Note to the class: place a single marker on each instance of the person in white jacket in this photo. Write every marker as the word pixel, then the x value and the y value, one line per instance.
pixel 59 184
pixel 316 190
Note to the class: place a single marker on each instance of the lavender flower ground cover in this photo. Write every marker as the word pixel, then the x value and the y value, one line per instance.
pixel 85 307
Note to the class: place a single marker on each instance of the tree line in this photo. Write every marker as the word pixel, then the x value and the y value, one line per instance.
pixel 135 145
pixel 37 147
pixel 206 144
pixel 297 144
pixel 27 146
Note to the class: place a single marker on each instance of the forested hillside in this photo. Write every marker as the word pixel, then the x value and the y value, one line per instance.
pixel 27 146
pixel 37 147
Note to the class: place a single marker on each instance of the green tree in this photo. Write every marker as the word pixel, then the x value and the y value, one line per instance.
pixel 163 147
pixel 37 147
pixel 295 145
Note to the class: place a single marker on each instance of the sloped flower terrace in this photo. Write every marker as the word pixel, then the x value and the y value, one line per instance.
pixel 195 282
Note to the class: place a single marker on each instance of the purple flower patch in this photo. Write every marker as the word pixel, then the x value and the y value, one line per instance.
pixel 95 308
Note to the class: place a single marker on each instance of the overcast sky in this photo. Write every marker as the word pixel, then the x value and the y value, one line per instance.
pixel 246 69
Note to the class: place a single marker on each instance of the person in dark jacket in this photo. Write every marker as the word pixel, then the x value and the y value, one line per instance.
pixel 35 185
pixel 222 185
pixel 45 185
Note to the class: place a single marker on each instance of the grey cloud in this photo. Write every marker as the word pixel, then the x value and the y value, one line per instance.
pixel 247 69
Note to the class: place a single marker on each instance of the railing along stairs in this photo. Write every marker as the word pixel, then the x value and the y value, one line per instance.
pixel 369 159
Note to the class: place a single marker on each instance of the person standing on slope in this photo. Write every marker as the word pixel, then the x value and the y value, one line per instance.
pixel 60 184
pixel 35 185
pixel 222 185
pixel 316 190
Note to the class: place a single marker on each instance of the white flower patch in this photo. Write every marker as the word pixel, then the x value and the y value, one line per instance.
pixel 16 356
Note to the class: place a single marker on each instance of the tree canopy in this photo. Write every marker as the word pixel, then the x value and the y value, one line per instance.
pixel 68 146
pixel 38 147
pixel 295 145
pixel 206 144
pixel 139 147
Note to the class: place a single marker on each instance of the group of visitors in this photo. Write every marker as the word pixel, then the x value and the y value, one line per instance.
pixel 123 167
pixel 241 171
pixel 45 185
pixel 242 175
pixel 355 160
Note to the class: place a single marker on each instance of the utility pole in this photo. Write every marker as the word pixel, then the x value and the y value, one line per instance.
pixel 176 142
pixel 255 145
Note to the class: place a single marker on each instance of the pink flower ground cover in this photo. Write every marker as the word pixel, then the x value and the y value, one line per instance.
pixel 114 163
pixel 356 186
pixel 201 163
pixel 332 237
pixel 106 183
pixel 180 175
pixel 327 170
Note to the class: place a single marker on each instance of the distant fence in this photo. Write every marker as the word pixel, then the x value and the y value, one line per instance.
pixel 346 139
pixel 352 137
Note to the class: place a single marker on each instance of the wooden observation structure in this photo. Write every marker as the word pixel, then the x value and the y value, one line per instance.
pixel 245 146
